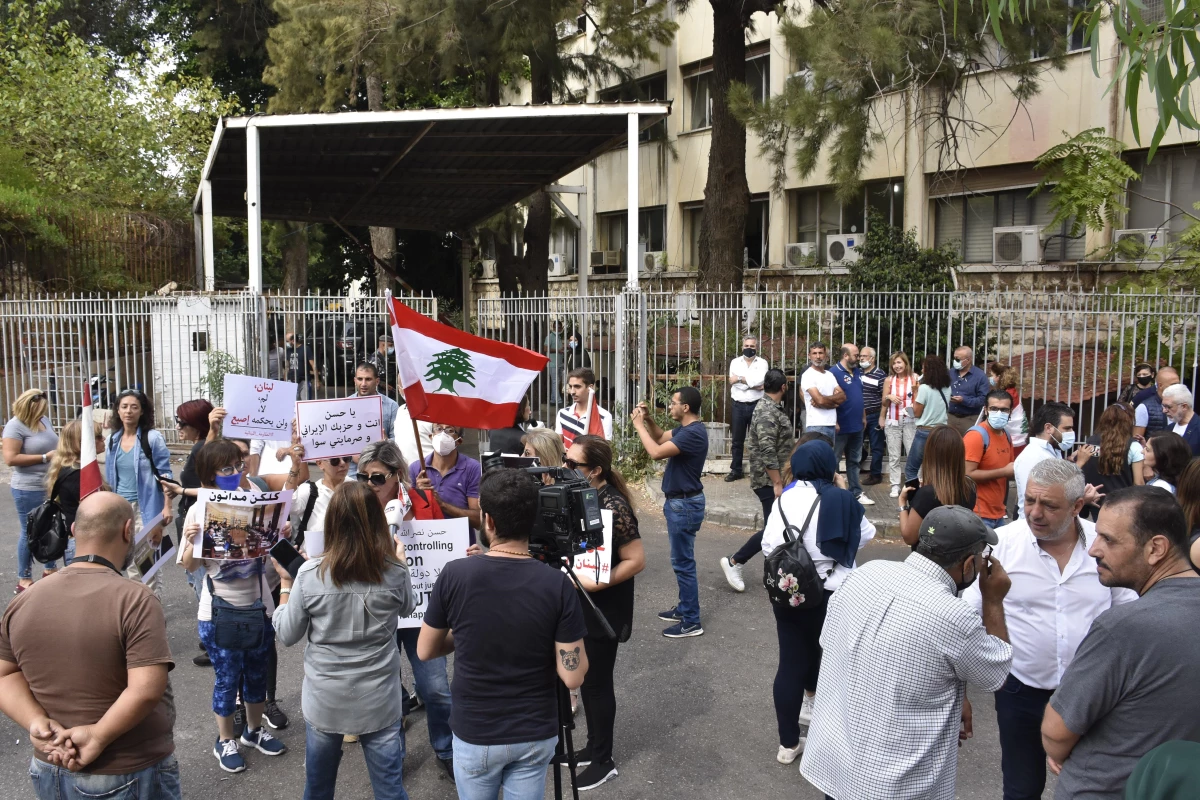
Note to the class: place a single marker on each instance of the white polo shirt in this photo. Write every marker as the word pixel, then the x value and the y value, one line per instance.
pixel 826 385
pixel 754 374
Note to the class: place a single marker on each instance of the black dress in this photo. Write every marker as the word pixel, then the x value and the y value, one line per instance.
pixel 1107 484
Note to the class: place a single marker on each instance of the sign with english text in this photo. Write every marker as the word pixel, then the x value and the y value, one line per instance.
pixel 339 427
pixel 429 545
pixel 258 408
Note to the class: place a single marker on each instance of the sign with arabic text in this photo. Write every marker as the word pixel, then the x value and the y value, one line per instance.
pixel 430 544
pixel 339 427
pixel 258 408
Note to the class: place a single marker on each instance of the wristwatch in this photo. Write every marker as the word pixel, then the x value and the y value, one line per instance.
pixel 906 507
pixel 45 458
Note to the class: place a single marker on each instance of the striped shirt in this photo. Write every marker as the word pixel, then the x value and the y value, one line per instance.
pixel 899 648
pixel 903 388
pixel 568 424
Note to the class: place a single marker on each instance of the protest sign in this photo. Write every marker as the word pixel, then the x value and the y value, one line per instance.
pixel 240 525
pixel 585 563
pixel 340 427
pixel 429 544
pixel 258 408
pixel 149 557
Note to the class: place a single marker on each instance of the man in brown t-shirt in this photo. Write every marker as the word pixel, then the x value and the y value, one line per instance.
pixel 83 666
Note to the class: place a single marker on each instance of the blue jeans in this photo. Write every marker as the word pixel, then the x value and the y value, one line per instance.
pixel 1019 711
pixel 157 782
pixel 916 454
pixel 481 771
pixel 382 750
pixel 234 669
pixel 684 517
pixel 26 500
pixel 434 688
pixel 828 430
pixel 993 523
pixel 878 442
pixel 850 444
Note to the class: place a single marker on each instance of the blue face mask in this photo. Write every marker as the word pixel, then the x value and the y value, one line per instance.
pixel 230 483
pixel 998 419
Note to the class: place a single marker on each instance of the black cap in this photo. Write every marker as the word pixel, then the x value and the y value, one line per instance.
pixel 954 529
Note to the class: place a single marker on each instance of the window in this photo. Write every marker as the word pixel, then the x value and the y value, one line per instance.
pixel 562 240
pixel 699 101
pixel 757 225
pixel 652 88
pixel 652 227
pixel 758 77
pixel 1076 40
pixel 968 220
pixel 612 231
pixel 1172 177
pixel 691 218
pixel 1153 12
pixel 818 212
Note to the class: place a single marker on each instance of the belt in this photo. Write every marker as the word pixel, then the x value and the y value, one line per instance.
pixel 746 402
pixel 968 414
pixel 683 495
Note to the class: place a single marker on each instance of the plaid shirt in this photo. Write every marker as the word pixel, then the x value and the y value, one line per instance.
pixel 899 649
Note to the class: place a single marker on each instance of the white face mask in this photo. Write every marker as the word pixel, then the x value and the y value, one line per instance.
pixel 1067 442
pixel 956 364
pixel 443 443
pixel 864 363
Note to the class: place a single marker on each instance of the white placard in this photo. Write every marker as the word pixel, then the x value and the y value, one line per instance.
pixel 430 544
pixel 585 563
pixel 341 427
pixel 148 557
pixel 314 542
pixel 258 408
pixel 240 525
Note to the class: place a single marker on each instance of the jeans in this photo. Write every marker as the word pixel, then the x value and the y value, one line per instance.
pixel 799 634
pixel 993 523
pixel 600 697
pixel 234 669
pixel 481 771
pixel 742 414
pixel 851 445
pixel 684 517
pixel 766 495
pixel 827 430
pixel 156 782
pixel 382 750
pixel 1019 710
pixel 876 438
pixel 899 435
pixel 431 683
pixel 26 500
pixel 916 454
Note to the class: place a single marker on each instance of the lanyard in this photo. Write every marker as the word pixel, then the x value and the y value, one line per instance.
pixel 95 559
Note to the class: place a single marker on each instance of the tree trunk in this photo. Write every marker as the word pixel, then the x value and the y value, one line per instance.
pixel 383 240
pixel 295 258
pixel 726 193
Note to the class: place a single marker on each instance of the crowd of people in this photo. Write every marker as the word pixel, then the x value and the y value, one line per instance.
pixel 1069 604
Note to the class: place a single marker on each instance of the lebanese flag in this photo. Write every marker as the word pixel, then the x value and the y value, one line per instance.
pixel 89 470
pixel 594 425
pixel 457 378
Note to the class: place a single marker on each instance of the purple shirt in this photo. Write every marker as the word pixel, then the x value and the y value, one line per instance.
pixel 460 483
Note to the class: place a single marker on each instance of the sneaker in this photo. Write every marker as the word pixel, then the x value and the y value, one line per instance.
pixel 683 630
pixel 595 775
pixel 264 742
pixel 733 574
pixel 730 478
pixel 583 757
pixel 414 701
pixel 866 501
pixel 275 716
pixel 239 720
pixel 226 751
pixel 447 765
pixel 895 492
pixel 202 660
pixel 787 755
pixel 670 615
pixel 806 709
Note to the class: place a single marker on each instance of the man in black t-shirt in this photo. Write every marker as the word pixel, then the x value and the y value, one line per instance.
pixel 512 624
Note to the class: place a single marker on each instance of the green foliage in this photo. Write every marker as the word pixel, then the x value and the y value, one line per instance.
pixel 1087 178
pixel 892 257
pixel 217 364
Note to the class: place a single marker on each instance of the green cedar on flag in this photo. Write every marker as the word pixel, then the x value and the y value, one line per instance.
pixel 450 367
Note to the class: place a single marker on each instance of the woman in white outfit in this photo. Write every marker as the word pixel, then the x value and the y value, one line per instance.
pixel 896 416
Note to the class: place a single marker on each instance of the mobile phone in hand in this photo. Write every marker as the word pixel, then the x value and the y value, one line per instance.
pixel 914 484
pixel 287 555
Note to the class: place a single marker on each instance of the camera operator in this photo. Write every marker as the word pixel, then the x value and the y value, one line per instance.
pixel 592 456
pixel 512 624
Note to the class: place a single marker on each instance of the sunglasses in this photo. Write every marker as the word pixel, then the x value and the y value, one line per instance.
pixel 234 470
pixel 181 424
pixel 375 479
pixel 337 462
pixel 571 463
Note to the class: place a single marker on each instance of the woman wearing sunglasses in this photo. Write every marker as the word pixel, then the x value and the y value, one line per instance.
pixel 29 440
pixel 312 498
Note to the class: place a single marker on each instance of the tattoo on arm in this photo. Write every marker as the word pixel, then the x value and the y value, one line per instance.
pixel 570 659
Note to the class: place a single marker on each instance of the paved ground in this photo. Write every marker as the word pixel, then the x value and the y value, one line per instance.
pixel 695 716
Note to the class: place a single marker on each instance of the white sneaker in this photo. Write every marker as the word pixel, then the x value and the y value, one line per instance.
pixel 733 574
pixel 806 709
pixel 895 492
pixel 787 755
pixel 866 501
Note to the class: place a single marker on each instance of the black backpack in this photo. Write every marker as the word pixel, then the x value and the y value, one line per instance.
pixel 46 528
pixel 298 536
pixel 789 574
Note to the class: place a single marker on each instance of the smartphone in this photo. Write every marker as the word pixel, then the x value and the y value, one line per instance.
pixel 283 552
pixel 914 484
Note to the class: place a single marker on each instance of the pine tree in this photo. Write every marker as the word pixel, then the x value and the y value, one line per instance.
pixel 450 367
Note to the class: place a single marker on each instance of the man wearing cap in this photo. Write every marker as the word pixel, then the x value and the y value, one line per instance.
pixel 899 648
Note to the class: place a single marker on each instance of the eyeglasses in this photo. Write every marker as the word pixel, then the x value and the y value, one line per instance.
pixel 375 478
pixel 571 463
pixel 445 429
pixel 234 470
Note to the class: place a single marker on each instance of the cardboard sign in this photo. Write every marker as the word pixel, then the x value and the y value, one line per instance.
pixel 585 564
pixel 258 408
pixel 240 525
pixel 148 557
pixel 340 427
pixel 430 544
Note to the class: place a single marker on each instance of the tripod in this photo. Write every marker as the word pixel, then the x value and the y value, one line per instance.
pixel 564 752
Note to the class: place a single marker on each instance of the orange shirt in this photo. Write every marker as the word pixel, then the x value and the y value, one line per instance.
pixel 989 494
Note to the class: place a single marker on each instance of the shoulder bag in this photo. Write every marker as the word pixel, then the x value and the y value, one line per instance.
pixel 46 527
pixel 238 627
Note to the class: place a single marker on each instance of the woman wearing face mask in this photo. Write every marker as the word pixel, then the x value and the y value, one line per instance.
pixel 1002 376
pixel 896 417
pixel 592 456
pixel 1141 388
pixel 577 354
pixel 1166 457
pixel 1115 460
pixel 28 440
pixel 220 465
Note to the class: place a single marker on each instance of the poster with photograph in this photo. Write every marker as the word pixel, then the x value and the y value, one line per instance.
pixel 149 557
pixel 340 427
pixel 585 563
pixel 258 408
pixel 430 544
pixel 240 525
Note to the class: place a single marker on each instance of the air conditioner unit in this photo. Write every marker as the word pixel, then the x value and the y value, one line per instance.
pixel 601 260
pixel 1132 244
pixel 653 260
pixel 799 254
pixel 1017 245
pixel 841 248
pixel 489 267
pixel 558 265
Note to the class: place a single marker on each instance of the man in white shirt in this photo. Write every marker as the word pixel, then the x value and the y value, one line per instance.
pixel 822 395
pixel 1056 594
pixel 1177 405
pixel 269 457
pixel 746 375
pixel 1051 434
pixel 573 420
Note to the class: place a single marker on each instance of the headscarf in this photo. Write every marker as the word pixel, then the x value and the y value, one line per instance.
pixel 1170 771
pixel 839 522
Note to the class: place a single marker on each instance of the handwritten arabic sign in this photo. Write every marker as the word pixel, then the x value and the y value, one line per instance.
pixel 341 427
pixel 430 544
pixel 585 563
pixel 258 408
pixel 240 525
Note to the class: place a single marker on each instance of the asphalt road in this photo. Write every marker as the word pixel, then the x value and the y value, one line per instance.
pixel 694 718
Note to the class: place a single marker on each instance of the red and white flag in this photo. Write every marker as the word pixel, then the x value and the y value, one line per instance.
pixel 457 378
pixel 89 469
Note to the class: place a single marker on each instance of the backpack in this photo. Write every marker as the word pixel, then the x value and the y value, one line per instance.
pixel 307 514
pixel 987 439
pixel 789 575
pixel 46 528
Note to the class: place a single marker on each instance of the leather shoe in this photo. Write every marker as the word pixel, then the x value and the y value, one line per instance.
pixel 872 480
pixel 447 765
pixel 734 476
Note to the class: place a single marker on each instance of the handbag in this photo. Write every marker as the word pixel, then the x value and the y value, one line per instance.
pixel 46 528
pixel 789 575
pixel 237 627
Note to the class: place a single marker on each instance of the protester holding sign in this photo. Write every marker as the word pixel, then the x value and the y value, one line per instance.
pixel 593 457
pixel 345 603
pixel 340 427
